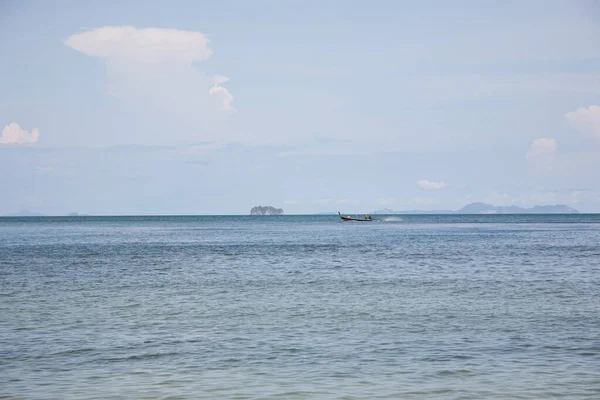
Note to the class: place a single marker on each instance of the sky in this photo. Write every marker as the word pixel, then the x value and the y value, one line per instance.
pixel 213 107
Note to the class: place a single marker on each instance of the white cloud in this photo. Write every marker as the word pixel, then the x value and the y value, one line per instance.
pixel 146 46
pixel 221 92
pixel 14 134
pixel 542 148
pixel 155 73
pixel 431 185
pixel 586 120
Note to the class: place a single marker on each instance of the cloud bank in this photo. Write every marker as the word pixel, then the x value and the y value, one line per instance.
pixel 586 120
pixel 14 134
pixel 146 46
pixel 155 72
pixel 431 185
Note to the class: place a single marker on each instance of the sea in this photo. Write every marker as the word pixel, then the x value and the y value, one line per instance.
pixel 300 307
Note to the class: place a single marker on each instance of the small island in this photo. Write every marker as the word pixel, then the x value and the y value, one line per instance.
pixel 266 210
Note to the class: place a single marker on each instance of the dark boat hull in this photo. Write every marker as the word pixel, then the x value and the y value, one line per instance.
pixel 350 219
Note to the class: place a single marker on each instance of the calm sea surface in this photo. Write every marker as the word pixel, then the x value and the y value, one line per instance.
pixel 410 307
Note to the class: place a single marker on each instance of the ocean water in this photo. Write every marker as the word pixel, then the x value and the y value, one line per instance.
pixel 408 307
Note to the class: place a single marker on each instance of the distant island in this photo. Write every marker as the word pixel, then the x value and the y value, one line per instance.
pixel 266 210
pixel 25 213
pixel 483 208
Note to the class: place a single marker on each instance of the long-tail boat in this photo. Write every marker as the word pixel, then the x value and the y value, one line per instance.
pixel 367 218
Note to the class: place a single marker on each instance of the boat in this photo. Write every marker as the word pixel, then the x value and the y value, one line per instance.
pixel 367 218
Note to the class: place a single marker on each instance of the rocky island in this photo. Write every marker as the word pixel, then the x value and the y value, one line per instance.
pixel 266 210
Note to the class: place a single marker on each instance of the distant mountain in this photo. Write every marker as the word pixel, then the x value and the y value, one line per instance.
pixel 25 213
pixel 266 210
pixel 388 211
pixel 556 209
pixel 483 208
pixel 478 208
pixel 384 211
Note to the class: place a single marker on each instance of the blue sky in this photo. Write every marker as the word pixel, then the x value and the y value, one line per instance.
pixel 193 107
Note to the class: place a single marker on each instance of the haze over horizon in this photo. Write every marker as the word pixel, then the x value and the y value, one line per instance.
pixel 213 108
